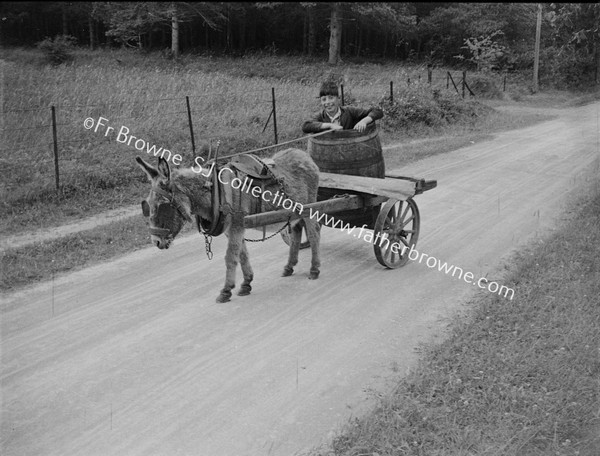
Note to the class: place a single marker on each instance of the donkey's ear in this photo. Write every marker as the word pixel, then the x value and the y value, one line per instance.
pixel 163 169
pixel 150 170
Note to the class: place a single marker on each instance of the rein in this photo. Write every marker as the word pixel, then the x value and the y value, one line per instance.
pixel 278 145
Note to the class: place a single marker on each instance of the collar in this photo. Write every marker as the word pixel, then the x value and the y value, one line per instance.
pixel 336 116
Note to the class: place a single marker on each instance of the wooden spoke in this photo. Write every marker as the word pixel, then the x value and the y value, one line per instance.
pixel 396 230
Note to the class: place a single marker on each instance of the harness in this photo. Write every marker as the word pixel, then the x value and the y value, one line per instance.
pixel 225 200
pixel 216 225
pixel 164 213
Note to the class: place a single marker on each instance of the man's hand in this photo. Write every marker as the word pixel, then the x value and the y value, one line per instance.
pixel 332 126
pixel 362 125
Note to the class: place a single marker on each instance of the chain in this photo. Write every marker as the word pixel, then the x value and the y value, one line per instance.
pixel 270 236
pixel 280 183
pixel 207 245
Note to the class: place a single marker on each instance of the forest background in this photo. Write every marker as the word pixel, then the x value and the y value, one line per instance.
pixel 481 36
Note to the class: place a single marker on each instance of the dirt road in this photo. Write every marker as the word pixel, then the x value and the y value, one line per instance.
pixel 134 357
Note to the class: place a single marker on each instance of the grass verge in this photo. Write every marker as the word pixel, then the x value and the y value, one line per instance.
pixel 43 260
pixel 518 377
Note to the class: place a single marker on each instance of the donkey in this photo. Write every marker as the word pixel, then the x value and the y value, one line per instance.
pixel 179 194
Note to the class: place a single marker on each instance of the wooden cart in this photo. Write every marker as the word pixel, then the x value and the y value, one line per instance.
pixel 385 206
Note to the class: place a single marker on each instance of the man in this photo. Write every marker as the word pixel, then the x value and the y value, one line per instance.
pixel 336 117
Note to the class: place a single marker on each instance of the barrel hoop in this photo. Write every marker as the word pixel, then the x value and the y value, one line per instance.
pixel 369 161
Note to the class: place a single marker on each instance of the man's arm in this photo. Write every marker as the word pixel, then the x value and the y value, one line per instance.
pixel 360 113
pixel 316 125
pixel 363 117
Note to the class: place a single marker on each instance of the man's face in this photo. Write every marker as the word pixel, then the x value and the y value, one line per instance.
pixel 330 104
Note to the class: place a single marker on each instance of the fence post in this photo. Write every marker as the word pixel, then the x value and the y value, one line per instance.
pixel 342 90
pixel 447 80
pixel 189 111
pixel 408 80
pixel 391 91
pixel 274 114
pixel 449 76
pixel 464 80
pixel 55 141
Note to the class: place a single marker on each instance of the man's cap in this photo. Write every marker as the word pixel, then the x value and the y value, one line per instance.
pixel 329 88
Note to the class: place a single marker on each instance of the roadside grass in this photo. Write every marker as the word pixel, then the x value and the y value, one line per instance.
pixel 43 260
pixel 515 377
pixel 421 142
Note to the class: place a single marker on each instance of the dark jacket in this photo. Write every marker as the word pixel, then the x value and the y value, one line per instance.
pixel 349 117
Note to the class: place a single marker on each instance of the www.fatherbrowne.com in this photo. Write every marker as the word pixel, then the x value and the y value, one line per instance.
pixel 278 199
pixel 413 255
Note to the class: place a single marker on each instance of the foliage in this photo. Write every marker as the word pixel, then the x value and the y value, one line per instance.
pixel 573 57
pixel 562 67
pixel 128 21
pixel 445 27
pixel 499 34
pixel 59 49
pixel 485 51
pixel 484 86
pixel 418 106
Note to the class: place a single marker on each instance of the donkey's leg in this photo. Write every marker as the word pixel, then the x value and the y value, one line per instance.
pixel 313 232
pixel 295 239
pixel 232 255
pixel 246 270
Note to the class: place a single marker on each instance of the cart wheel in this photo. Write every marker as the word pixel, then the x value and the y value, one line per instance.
pixel 304 242
pixel 398 222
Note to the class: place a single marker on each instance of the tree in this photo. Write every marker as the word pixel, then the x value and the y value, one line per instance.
pixel 130 22
pixel 335 37
pixel 576 30
pixel 174 30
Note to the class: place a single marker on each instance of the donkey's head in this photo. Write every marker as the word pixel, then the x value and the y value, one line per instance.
pixel 166 207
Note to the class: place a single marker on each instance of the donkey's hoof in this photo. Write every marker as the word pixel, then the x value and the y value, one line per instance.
pixel 287 272
pixel 313 275
pixel 244 290
pixel 224 297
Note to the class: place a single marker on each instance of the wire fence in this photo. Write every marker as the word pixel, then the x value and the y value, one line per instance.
pixel 72 147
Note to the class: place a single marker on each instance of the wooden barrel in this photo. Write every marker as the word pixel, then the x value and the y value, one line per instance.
pixel 348 152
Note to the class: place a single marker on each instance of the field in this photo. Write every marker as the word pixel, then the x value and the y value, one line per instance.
pixel 230 102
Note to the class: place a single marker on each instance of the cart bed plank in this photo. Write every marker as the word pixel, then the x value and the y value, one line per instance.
pixel 330 206
pixel 392 188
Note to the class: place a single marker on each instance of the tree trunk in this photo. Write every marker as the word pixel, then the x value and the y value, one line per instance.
pixel 92 33
pixel 536 56
pixel 335 37
pixel 305 35
pixel 228 45
pixel 65 28
pixel 596 50
pixel 242 39
pixel 174 32
pixel 312 31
